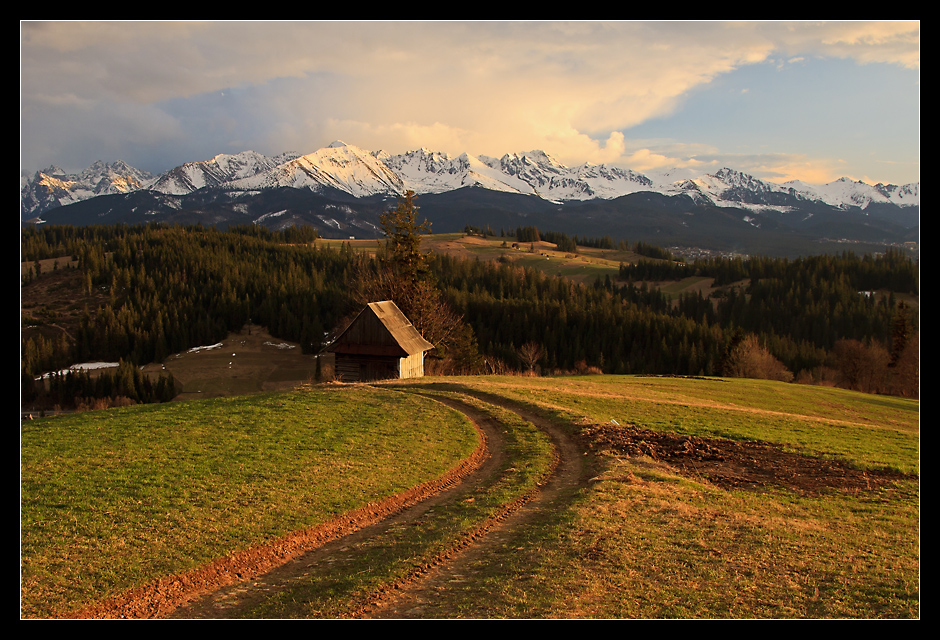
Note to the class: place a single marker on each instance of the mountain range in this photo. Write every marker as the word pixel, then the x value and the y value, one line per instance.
pixel 341 189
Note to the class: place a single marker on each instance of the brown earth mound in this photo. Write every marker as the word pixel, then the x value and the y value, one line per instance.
pixel 738 465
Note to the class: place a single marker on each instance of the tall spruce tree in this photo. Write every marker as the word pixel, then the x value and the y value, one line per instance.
pixel 401 272
pixel 403 238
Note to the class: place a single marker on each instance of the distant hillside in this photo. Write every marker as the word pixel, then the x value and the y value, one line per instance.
pixel 659 219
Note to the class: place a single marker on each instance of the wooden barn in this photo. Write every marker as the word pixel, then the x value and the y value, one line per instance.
pixel 380 343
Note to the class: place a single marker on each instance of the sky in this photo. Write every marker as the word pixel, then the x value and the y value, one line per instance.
pixel 812 101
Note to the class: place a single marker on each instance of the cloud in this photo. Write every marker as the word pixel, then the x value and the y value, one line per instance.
pixel 400 135
pixel 784 167
pixel 892 42
pixel 570 88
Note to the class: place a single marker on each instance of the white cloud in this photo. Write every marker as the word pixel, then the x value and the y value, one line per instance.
pixel 481 87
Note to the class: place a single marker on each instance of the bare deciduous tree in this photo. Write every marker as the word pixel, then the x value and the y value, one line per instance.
pixel 530 353
pixel 862 367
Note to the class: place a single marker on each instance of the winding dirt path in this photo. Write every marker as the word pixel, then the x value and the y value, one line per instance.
pixel 241 579
pixel 422 597
pixel 240 591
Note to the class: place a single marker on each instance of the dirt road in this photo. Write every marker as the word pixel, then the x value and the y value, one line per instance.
pixel 245 585
pixel 247 588
pixel 422 598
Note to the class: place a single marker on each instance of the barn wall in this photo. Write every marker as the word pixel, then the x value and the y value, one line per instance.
pixel 412 366
pixel 363 368
pixel 376 344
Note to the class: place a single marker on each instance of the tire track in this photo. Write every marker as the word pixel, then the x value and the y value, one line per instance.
pixel 423 594
pixel 239 584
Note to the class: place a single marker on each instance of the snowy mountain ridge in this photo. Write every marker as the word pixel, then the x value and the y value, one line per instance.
pixel 362 173
pixel 53 187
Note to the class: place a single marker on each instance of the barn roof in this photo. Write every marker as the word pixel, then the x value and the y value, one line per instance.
pixel 406 339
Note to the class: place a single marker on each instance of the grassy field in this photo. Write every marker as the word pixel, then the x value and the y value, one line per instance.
pixel 585 266
pixel 114 498
pixel 871 431
pixel 644 541
pixel 352 579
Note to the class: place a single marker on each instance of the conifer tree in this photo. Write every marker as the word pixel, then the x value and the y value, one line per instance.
pixel 401 273
pixel 403 238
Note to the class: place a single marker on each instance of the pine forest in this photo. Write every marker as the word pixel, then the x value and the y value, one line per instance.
pixel 158 290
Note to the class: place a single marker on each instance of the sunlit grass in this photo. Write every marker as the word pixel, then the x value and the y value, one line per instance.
pixel 642 541
pixel 868 430
pixel 115 498
pixel 111 499
pixel 335 589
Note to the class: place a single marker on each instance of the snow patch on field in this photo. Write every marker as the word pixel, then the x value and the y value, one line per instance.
pixel 280 345
pixel 217 345
pixel 87 366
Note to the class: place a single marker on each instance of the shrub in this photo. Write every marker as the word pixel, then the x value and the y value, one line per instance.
pixel 749 359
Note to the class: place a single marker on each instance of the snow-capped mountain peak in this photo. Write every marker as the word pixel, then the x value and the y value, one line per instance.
pixel 220 170
pixel 846 192
pixel 362 173
pixel 54 187
pixel 339 166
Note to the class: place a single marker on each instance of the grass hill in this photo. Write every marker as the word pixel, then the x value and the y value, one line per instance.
pixel 584 266
pixel 699 498
pixel 618 496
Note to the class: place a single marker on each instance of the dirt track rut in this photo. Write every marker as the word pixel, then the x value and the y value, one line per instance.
pixel 418 594
pixel 423 598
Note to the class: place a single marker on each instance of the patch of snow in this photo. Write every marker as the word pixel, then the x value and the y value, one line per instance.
pixel 87 366
pixel 280 345
pixel 273 214
pixel 217 345
pixel 330 221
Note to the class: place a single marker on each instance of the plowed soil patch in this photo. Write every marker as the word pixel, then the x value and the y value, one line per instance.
pixel 739 465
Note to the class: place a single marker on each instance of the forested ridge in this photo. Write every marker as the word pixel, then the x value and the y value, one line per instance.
pixel 165 289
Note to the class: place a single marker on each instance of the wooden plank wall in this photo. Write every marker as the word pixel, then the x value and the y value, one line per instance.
pixel 362 368
pixel 369 330
pixel 412 366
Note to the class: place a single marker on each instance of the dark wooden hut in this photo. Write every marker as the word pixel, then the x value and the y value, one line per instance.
pixel 380 343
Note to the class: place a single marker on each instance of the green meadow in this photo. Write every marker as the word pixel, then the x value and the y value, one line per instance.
pixel 118 498
pixel 113 499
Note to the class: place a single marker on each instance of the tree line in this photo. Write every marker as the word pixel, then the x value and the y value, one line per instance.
pixel 564 242
pixel 172 288
pixel 802 314
pixel 893 270
pixel 76 387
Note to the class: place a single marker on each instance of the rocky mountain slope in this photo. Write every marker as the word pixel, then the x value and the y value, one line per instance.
pixel 341 189
pixel 361 173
